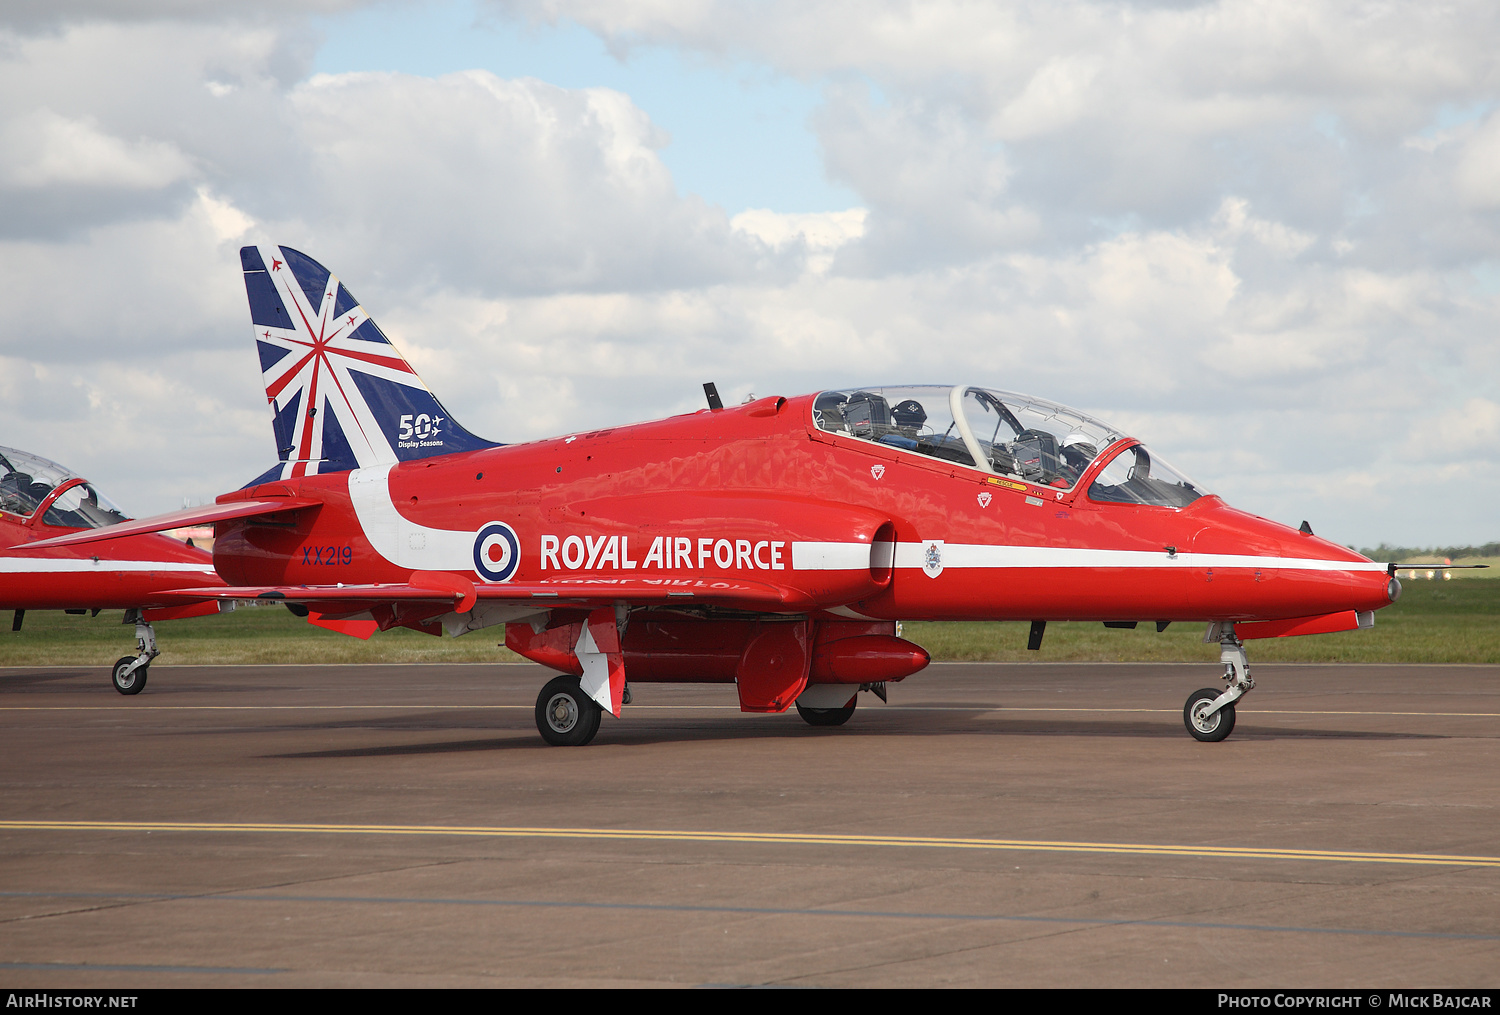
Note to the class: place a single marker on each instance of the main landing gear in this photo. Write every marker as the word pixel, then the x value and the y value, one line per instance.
pixel 826 716
pixel 565 715
pixel 825 712
pixel 129 674
pixel 1209 713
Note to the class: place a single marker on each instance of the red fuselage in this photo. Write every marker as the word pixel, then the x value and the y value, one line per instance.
pixel 111 574
pixel 759 492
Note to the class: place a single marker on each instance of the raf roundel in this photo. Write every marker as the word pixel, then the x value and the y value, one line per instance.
pixel 497 552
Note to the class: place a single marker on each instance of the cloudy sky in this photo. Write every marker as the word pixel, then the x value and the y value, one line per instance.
pixel 1262 235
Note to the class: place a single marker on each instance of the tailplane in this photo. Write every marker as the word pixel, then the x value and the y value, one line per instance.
pixel 341 396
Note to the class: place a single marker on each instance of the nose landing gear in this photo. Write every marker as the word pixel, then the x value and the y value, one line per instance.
pixel 1209 713
pixel 129 673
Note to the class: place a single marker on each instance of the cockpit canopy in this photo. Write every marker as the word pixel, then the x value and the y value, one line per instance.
pixel 1006 434
pixel 26 481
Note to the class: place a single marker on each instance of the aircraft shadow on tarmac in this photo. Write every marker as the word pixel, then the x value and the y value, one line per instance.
pixel 447 747
pixel 92 682
pixel 645 734
pixel 28 680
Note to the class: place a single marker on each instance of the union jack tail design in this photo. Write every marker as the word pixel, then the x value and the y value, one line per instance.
pixel 341 396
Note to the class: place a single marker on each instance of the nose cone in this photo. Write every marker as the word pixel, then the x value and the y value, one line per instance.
pixel 1301 574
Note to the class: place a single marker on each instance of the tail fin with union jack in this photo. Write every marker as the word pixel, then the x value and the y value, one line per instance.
pixel 341 396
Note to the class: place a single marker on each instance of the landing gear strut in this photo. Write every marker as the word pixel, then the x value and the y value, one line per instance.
pixel 1209 713
pixel 129 674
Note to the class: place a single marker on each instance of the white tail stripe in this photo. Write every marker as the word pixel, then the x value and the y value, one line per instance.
pixel 399 540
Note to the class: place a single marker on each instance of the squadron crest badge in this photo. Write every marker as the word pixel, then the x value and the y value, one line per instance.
pixel 932 558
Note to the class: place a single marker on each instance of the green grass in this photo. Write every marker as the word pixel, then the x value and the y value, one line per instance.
pixel 1434 622
pixel 260 634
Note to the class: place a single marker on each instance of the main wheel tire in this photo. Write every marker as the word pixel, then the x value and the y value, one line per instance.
pixel 565 716
pixel 825 716
pixel 1209 729
pixel 128 683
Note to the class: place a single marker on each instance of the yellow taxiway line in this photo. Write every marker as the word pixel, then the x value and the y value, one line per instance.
pixel 761 838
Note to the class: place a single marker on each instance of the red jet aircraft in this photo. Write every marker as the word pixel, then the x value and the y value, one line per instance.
pixel 40 499
pixel 773 545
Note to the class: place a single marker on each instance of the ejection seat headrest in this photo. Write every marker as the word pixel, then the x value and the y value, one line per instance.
pixel 866 409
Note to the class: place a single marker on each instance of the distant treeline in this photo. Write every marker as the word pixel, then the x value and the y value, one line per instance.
pixel 1387 552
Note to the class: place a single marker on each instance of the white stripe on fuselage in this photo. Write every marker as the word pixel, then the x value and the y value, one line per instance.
pixel 74 565
pixel 398 539
pixel 830 556
pixel 852 556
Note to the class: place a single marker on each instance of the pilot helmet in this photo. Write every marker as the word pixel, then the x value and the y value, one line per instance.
pixel 1080 443
pixel 909 413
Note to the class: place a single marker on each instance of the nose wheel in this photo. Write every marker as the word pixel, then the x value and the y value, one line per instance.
pixel 1209 712
pixel 129 673
pixel 127 677
pixel 1202 722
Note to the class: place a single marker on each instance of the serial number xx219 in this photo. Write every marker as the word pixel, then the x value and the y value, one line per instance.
pixel 327 555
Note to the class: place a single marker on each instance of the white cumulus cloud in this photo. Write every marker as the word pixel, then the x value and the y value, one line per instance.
pixel 1261 234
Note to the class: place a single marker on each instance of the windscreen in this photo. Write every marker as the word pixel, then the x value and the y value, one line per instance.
pixel 82 507
pixel 1135 477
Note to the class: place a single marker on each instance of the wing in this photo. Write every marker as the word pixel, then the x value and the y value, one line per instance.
pixel 574 591
pixel 180 519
